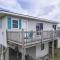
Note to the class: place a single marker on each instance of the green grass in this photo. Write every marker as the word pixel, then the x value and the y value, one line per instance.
pixel 56 56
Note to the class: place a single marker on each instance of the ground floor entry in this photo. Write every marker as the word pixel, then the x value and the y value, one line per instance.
pixel 14 55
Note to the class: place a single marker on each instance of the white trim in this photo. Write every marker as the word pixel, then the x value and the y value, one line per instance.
pixel 27 16
pixel 18 25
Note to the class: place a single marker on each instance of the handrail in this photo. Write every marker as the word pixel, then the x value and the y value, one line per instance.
pixel 31 36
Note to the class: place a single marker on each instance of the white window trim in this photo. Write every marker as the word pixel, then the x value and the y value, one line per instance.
pixel 18 24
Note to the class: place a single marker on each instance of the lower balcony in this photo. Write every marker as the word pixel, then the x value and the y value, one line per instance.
pixel 31 37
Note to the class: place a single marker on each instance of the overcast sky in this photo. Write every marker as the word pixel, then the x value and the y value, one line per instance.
pixel 49 9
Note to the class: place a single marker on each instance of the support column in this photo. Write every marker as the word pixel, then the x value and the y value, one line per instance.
pixel 53 47
pixel 23 48
pixel 48 52
pixel 7 54
pixel 23 53
pixel 2 54
pixel 53 50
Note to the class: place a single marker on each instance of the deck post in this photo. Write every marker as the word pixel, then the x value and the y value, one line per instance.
pixel 7 54
pixel 53 46
pixel 23 48
pixel 7 49
pixel 2 54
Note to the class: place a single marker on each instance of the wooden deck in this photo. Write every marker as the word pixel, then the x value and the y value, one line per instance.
pixel 31 37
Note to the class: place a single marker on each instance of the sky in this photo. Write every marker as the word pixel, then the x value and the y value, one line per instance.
pixel 48 9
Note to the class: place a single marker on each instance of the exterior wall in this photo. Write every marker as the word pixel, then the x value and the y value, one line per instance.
pixel 31 51
pixel 3 31
pixel 26 24
pixel 32 25
pixel 23 24
pixel 4 25
pixel 29 25
pixel 4 28
pixel 58 43
pixel 47 26
pixel 41 53
pixel 3 39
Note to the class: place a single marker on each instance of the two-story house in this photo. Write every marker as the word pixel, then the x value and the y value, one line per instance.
pixel 25 37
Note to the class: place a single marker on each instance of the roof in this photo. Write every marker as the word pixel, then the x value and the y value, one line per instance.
pixel 7 12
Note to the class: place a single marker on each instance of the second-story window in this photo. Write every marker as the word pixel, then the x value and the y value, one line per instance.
pixel 39 27
pixel 54 27
pixel 15 23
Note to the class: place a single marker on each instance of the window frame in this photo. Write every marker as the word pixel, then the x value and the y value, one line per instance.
pixel 15 23
pixel 39 28
pixel 54 27
pixel 40 25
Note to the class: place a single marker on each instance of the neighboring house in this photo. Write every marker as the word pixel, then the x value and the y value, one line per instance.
pixel 26 35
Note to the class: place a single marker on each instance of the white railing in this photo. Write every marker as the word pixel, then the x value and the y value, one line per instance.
pixel 31 36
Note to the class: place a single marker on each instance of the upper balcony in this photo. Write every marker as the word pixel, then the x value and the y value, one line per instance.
pixel 31 37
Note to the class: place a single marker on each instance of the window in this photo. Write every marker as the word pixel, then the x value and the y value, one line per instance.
pixel 39 27
pixel 54 27
pixel 42 46
pixel 15 23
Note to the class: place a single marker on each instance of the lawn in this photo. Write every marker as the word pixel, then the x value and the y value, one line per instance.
pixel 56 56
